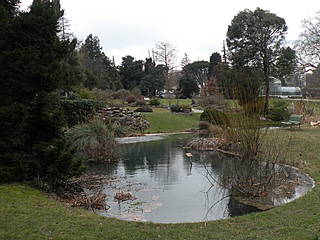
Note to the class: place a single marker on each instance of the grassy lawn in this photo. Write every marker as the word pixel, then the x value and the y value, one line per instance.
pixel 162 120
pixel 163 101
pixel 166 101
pixel 26 213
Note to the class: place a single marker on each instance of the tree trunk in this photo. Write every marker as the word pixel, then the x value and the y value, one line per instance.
pixel 266 72
pixel 266 100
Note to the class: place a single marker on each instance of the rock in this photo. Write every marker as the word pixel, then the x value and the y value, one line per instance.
pixel 128 118
pixel 205 144
pixel 121 196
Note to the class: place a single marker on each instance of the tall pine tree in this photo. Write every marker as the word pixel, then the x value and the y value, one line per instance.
pixel 100 70
pixel 31 55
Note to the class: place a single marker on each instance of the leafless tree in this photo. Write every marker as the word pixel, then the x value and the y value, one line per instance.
pixel 166 54
pixel 308 45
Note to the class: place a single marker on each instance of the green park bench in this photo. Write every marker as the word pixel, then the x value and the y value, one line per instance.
pixel 294 120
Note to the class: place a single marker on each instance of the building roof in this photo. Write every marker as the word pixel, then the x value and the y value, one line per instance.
pixel 275 80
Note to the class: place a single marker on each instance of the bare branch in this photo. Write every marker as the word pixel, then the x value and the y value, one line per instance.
pixel 308 45
pixel 166 54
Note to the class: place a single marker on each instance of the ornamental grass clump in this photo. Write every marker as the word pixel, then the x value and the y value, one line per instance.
pixel 257 168
pixel 260 156
pixel 96 140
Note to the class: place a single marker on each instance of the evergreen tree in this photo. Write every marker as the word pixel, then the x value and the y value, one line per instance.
pixel 188 86
pixel 254 39
pixel 71 72
pixel 226 81
pixel 286 64
pixel 110 78
pixel 91 55
pixel 131 72
pixel 152 84
pixel 9 8
pixel 31 54
pixel 90 80
pixel 97 63
pixel 215 60
pixel 185 60
pixel 193 78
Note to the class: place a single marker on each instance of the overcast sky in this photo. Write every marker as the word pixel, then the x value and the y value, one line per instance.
pixel 198 28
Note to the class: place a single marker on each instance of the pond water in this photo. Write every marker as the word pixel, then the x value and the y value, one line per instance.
pixel 168 186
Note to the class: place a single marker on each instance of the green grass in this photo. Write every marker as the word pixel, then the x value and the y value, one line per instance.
pixel 26 214
pixel 312 105
pixel 162 120
pixel 168 102
pixel 232 103
pixel 116 101
pixel 163 101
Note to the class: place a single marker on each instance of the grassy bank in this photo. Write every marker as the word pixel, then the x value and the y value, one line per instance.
pixel 162 120
pixel 26 213
pixel 166 101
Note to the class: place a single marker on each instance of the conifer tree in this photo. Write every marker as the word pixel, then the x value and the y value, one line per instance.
pixel 31 54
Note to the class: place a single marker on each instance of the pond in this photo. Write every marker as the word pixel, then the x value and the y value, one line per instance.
pixel 169 187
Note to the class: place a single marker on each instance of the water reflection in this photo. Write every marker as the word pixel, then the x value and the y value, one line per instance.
pixel 165 162
pixel 170 187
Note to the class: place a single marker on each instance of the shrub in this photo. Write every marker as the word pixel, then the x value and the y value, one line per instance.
pixel 246 88
pixel 304 108
pixel 95 139
pixel 154 102
pixel 72 96
pixel 175 108
pixel 118 129
pixel 257 168
pixel 57 162
pixel 278 111
pixel 256 107
pixel 102 95
pixel 136 92
pixel 31 144
pixel 209 130
pixel 186 108
pixel 130 99
pixel 85 93
pixel 180 108
pixel 210 101
pixel 140 101
pixel 120 94
pixel 214 117
pixel 144 109
pixel 77 111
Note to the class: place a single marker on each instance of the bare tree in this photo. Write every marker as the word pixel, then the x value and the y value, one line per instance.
pixel 308 45
pixel 166 54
